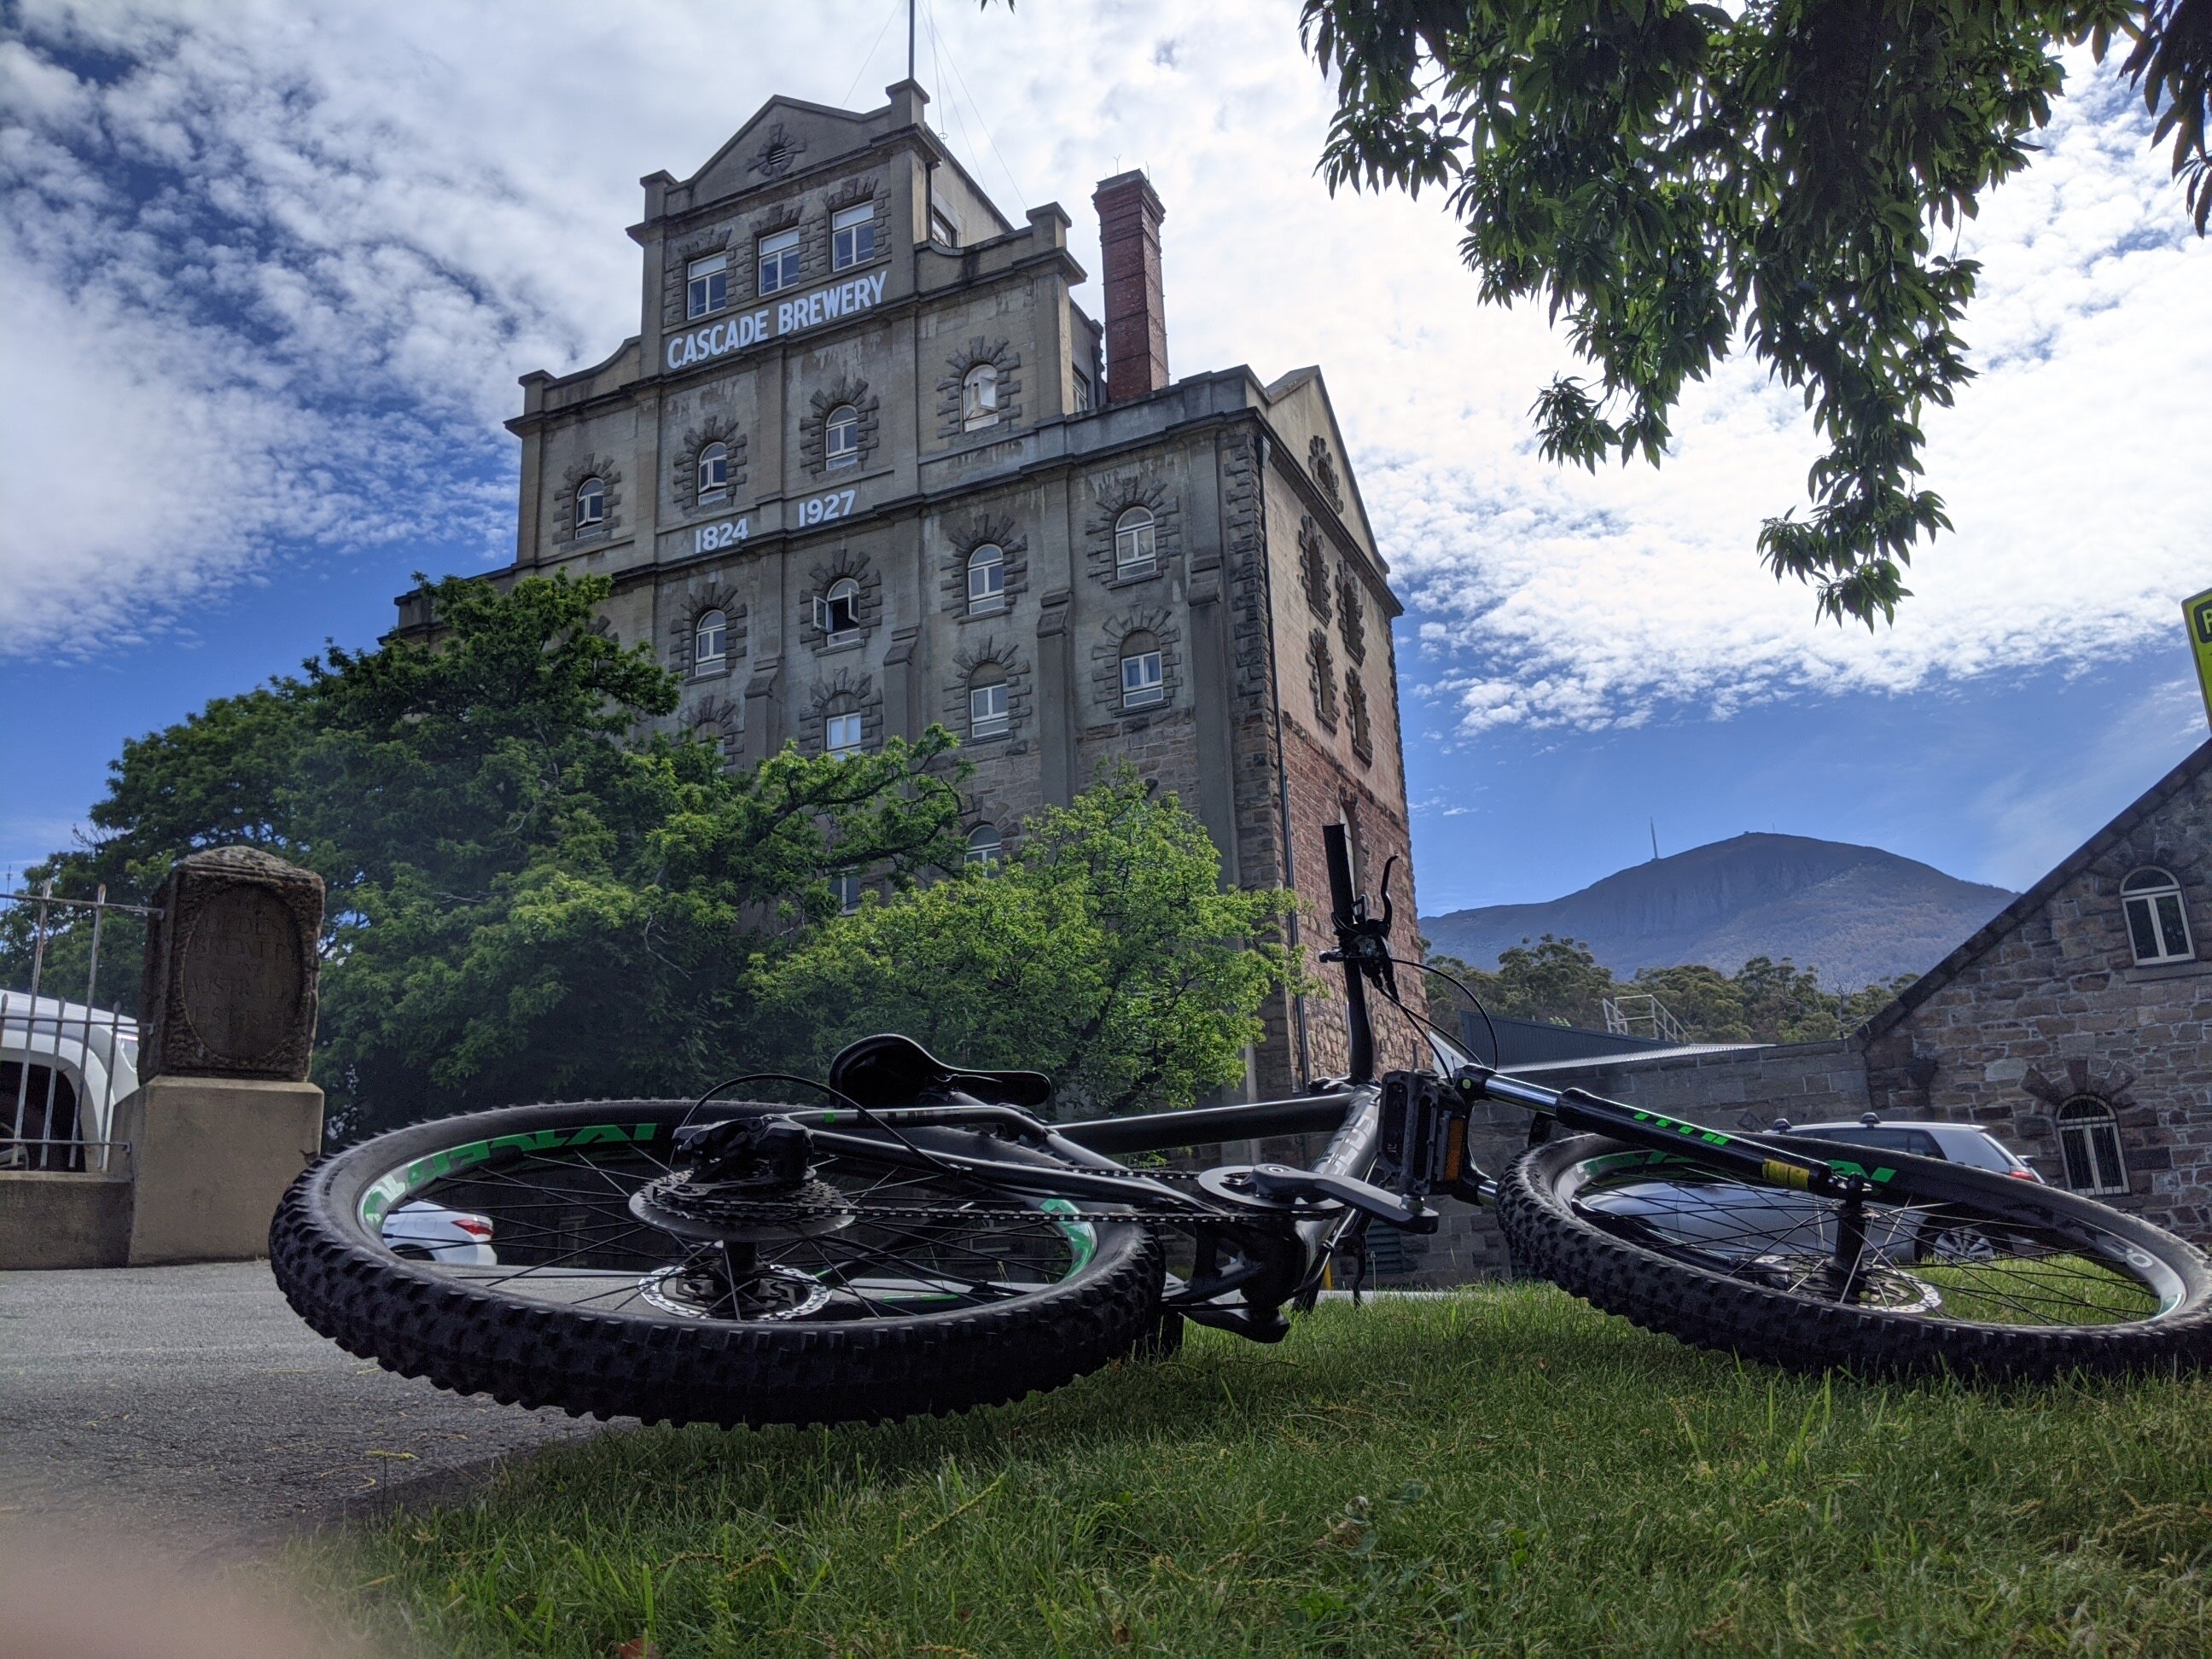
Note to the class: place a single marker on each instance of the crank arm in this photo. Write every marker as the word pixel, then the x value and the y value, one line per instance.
pixel 1281 1182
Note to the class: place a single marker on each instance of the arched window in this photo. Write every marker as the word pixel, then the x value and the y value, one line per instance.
pixel 987 701
pixel 710 642
pixel 1133 543
pixel 841 437
pixel 1144 683
pixel 985 846
pixel 2089 1145
pixel 2157 927
pixel 591 504
pixel 837 612
pixel 979 397
pixel 713 471
pixel 987 579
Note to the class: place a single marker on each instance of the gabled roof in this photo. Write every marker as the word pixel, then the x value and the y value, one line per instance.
pixel 2000 926
pixel 1354 513
pixel 833 132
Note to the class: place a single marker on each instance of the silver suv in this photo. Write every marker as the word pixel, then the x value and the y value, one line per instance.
pixel 1957 1143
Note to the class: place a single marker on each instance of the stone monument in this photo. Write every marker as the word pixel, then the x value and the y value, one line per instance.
pixel 224 1116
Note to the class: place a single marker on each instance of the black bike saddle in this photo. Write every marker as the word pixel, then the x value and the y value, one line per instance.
pixel 889 1070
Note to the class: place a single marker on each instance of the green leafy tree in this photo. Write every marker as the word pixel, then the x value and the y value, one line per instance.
pixel 1708 1003
pixel 1105 953
pixel 1669 176
pixel 1560 982
pixel 525 899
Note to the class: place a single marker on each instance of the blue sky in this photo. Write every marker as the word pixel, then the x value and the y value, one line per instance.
pixel 273 269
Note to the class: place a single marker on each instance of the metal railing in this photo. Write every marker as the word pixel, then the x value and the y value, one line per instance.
pixel 1624 1014
pixel 65 1061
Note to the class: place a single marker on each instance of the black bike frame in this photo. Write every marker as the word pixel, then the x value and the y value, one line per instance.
pixel 1353 1107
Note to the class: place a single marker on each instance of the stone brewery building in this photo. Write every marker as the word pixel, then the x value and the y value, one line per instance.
pixel 867 466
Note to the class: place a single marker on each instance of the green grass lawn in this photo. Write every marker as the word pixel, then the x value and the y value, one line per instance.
pixel 1505 1472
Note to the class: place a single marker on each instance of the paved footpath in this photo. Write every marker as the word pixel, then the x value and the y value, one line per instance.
pixel 191 1404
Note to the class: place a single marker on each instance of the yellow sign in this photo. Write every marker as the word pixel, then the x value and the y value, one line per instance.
pixel 2198 613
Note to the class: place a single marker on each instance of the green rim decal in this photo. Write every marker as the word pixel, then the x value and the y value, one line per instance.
pixel 386 1192
pixel 1080 1234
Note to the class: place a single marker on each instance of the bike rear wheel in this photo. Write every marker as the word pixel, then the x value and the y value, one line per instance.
pixel 883 1291
pixel 1939 1268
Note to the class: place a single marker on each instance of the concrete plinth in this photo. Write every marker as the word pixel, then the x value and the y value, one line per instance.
pixel 213 1156
pixel 58 1219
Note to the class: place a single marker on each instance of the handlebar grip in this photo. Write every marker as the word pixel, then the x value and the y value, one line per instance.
pixel 1337 848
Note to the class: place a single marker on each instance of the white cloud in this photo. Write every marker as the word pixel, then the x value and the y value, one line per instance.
pixel 274 267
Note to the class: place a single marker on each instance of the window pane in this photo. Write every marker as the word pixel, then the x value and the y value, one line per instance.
pixel 986 578
pixel 2142 930
pixel 779 261
pixel 1141 680
pixel 984 845
pixel 2173 932
pixel 841 436
pixel 843 734
pixel 2074 1143
pixel 712 639
pixel 2104 1144
pixel 853 236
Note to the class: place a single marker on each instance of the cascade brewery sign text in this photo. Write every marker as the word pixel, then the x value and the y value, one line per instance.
pixel 786 317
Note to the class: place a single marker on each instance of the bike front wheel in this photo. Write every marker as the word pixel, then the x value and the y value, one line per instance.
pixel 1937 1267
pixel 528 1253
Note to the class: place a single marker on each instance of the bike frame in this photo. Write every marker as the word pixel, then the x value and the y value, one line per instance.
pixel 1265 1232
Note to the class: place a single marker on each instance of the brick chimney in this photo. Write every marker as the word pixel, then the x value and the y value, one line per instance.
pixel 1129 217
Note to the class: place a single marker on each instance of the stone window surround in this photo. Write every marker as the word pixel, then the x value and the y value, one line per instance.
pixel 964 539
pixel 725 714
pixel 1002 356
pixel 1115 494
pixel 683 475
pixel 1106 663
pixel 684 631
pixel 819 580
pixel 1350 610
pixel 1359 717
pixel 813 439
pixel 1321 678
pixel 1005 655
pixel 846 692
pixel 565 532
pixel 1313 568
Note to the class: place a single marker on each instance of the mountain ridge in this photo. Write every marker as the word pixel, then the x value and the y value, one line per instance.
pixel 1852 914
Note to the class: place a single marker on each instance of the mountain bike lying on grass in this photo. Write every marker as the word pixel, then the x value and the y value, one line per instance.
pixel 923 1242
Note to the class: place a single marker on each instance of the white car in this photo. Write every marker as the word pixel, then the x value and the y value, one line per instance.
pixel 430 1232
pixel 66 1064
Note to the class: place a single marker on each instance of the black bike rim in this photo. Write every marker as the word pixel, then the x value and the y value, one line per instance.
pixel 1942 1257
pixel 891 1239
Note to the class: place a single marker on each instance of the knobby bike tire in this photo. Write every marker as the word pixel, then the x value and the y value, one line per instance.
pixel 413 1318
pixel 1661 1291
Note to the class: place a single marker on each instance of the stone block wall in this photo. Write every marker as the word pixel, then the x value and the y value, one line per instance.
pixel 2056 1010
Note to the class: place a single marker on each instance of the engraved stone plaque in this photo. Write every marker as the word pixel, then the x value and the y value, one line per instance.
pixel 230 968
